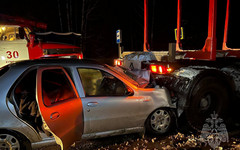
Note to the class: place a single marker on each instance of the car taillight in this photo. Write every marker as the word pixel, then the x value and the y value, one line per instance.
pixel 160 69
pixel 118 62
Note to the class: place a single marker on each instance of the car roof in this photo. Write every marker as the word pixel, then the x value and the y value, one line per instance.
pixel 56 61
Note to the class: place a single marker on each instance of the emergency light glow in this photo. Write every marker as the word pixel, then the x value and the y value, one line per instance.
pixel 3 28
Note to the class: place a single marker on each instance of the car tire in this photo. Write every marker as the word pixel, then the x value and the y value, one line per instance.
pixel 14 141
pixel 160 121
pixel 209 95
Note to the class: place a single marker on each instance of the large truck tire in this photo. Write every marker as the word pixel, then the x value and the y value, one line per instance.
pixel 208 96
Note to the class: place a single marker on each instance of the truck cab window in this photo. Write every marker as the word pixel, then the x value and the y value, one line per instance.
pixel 11 33
pixel 99 83
pixel 27 32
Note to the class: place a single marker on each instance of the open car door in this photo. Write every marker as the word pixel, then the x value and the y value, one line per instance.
pixel 60 105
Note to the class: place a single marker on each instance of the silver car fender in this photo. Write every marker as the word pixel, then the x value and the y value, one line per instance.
pixel 155 98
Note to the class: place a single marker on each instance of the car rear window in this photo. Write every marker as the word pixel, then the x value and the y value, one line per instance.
pixel 3 70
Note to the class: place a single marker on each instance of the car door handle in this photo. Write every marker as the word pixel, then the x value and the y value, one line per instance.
pixel 92 104
pixel 54 115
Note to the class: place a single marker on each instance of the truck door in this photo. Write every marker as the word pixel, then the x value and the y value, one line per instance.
pixel 13 47
pixel 60 105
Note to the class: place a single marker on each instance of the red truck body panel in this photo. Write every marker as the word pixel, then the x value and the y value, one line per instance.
pixel 209 50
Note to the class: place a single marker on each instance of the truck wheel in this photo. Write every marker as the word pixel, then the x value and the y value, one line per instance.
pixel 209 95
pixel 160 121
pixel 12 141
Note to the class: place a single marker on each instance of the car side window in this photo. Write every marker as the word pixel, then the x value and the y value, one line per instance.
pixel 99 83
pixel 56 87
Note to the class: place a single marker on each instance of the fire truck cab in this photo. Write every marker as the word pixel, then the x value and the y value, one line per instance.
pixel 13 43
pixel 18 42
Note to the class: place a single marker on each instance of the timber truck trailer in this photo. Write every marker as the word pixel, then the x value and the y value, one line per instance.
pixel 201 82
pixel 18 42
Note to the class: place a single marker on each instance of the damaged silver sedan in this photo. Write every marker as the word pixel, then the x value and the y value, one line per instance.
pixel 63 101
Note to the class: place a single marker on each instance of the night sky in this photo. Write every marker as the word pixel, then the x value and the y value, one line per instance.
pixel 46 11
pixel 98 20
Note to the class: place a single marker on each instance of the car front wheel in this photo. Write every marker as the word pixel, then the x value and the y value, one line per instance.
pixel 160 121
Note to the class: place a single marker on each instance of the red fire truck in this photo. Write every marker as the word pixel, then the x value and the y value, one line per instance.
pixel 201 82
pixel 18 42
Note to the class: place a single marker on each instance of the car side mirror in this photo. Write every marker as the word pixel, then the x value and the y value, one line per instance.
pixel 129 91
pixel 21 33
pixel 32 39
